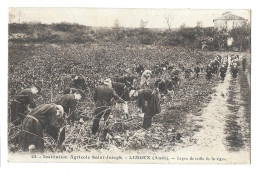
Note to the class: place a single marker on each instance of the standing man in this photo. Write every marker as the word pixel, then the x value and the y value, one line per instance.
pixel 103 97
pixel 209 72
pixel 197 71
pixel 222 71
pixel 244 64
pixel 234 71
pixel 22 102
pixel 148 101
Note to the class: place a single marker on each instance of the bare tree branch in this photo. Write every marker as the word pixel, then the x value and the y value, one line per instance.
pixel 117 29
pixel 168 20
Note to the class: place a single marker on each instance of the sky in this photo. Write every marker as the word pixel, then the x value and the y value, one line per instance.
pixel 105 17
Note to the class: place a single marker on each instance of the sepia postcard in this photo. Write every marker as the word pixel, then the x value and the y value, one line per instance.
pixel 110 85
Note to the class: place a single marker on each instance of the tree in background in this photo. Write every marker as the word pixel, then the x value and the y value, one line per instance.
pixel 199 24
pixel 183 26
pixel 118 30
pixel 242 37
pixel 143 24
pixel 168 21
pixel 220 40
pixel 146 36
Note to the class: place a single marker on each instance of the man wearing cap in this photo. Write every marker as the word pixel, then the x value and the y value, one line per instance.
pixel 38 121
pixel 23 100
pixel 103 97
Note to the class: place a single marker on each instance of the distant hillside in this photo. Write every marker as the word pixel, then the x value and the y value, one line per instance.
pixel 196 37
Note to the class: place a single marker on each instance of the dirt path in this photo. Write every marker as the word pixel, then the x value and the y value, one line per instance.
pixel 224 126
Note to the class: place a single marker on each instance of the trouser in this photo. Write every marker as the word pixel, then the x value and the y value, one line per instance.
pixel 56 134
pixel 197 75
pixel 98 113
pixel 147 123
pixel 208 75
pixel 222 75
pixel 244 67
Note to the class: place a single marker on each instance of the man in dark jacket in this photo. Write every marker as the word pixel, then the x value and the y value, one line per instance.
pixel 234 71
pixel 209 72
pixel 122 86
pixel 69 103
pixel 162 86
pixel 78 82
pixel 176 80
pixel 140 69
pixel 36 122
pixel 23 100
pixel 149 101
pixel 244 63
pixel 197 71
pixel 222 71
pixel 103 97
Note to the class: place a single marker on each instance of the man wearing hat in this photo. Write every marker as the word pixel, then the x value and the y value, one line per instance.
pixel 22 102
pixel 103 97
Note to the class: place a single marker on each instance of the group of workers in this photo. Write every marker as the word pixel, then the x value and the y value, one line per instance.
pixel 51 119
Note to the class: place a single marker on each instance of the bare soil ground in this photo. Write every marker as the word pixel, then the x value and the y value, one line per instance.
pixel 224 124
pixel 200 116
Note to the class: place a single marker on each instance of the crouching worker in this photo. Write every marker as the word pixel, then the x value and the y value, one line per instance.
pixel 23 100
pixel 36 122
pixel 69 104
pixel 148 101
pixel 103 98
